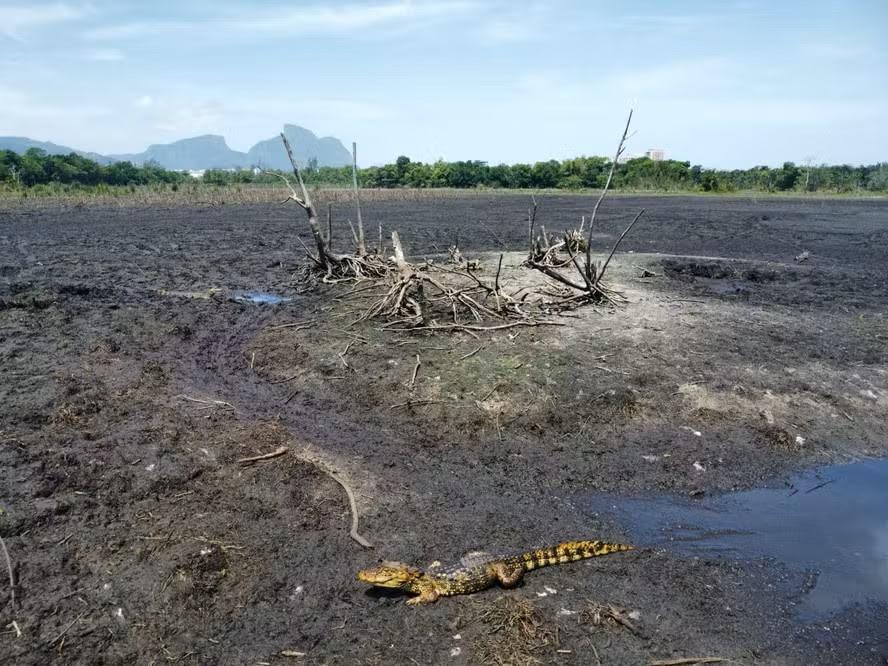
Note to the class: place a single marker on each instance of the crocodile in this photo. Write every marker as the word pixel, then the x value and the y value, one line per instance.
pixel 479 570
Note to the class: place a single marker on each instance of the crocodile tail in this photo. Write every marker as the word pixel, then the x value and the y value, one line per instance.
pixel 569 551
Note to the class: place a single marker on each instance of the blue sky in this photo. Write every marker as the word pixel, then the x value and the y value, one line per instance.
pixel 724 84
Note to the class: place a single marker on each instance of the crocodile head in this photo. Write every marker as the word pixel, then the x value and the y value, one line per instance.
pixel 390 574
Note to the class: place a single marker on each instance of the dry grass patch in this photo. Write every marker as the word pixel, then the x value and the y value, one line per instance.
pixel 517 633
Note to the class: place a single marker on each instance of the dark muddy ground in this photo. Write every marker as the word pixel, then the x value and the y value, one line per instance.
pixel 136 537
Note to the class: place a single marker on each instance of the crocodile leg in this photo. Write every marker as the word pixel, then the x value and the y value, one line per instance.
pixel 508 575
pixel 428 593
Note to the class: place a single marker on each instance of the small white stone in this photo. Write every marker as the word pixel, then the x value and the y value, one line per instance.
pixel 205 551
pixel 800 440
pixel 565 611
pixel 542 594
pixel 457 637
pixel 150 467
pixel 551 590
pixel 455 652
pixel 650 458
pixel 635 615
pixel 698 466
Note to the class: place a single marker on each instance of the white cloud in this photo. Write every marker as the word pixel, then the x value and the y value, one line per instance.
pixel 104 55
pixel 16 19
pixel 298 21
pixel 352 17
pixel 143 102
pixel 122 31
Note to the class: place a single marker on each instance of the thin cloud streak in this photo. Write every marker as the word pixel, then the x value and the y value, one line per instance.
pixel 287 22
pixel 15 20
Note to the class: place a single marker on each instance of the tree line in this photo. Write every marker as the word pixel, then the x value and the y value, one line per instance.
pixel 35 167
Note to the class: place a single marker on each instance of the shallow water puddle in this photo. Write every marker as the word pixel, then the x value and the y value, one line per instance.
pixel 259 298
pixel 832 522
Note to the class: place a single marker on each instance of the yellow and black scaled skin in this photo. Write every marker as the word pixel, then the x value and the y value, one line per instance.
pixel 479 570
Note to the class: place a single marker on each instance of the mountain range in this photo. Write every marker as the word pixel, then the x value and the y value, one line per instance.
pixel 210 151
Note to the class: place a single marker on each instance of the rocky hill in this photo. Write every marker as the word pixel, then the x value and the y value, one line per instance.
pixel 210 151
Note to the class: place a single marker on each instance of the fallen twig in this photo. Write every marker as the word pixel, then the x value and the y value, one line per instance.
pixel 353 505
pixel 11 573
pixel 471 353
pixel 208 403
pixel 685 661
pixel 297 325
pixel 345 351
pixel 490 392
pixel 468 327
pixel 65 630
pixel 595 652
pixel 415 370
pixel 819 486
pixel 410 403
pixel 281 450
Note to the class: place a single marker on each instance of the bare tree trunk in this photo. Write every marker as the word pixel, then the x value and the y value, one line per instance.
pixel 610 176
pixel 325 257
pixel 531 220
pixel 362 248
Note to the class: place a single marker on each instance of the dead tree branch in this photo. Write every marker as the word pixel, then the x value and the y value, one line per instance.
pixel 543 255
pixel 362 248
pixel 11 573
pixel 281 450
pixel 352 503
pixel 617 244
pixel 621 147
pixel 335 267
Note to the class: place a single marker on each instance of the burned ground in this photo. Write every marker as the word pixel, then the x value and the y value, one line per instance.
pixel 137 536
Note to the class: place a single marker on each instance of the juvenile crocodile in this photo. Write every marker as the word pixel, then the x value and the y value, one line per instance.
pixel 479 570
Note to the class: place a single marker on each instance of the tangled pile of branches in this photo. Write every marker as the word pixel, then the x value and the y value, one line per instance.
pixel 425 296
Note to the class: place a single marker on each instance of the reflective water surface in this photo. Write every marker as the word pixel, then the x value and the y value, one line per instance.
pixel 832 522
pixel 260 298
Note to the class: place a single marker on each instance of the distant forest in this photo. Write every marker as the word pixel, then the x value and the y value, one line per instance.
pixel 36 168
